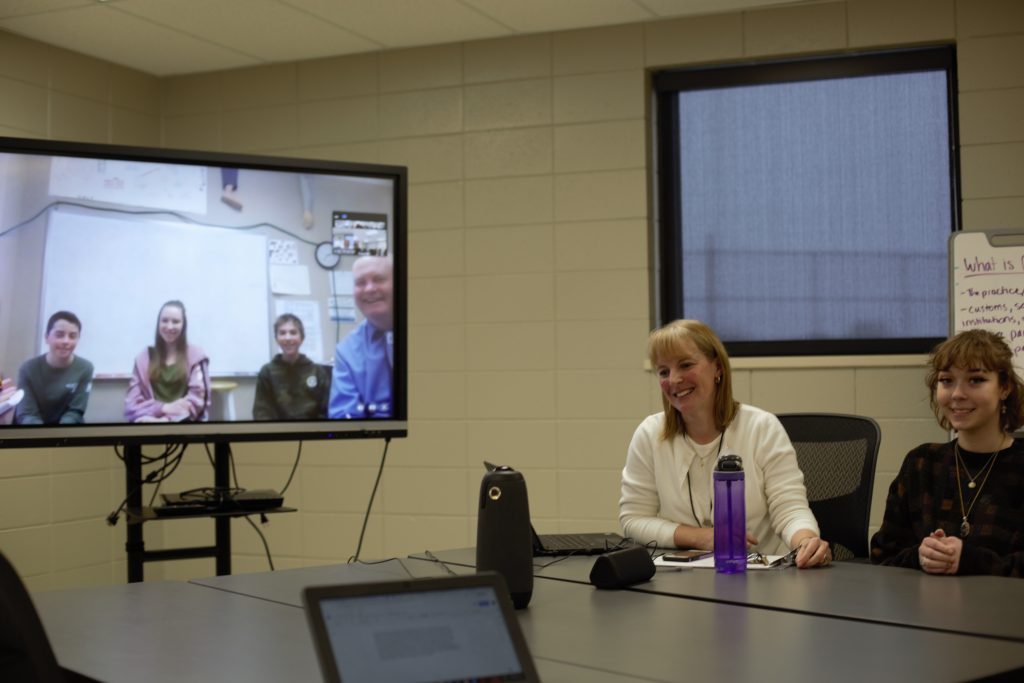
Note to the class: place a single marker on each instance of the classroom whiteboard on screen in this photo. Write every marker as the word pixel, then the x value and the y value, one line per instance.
pixel 986 278
pixel 115 273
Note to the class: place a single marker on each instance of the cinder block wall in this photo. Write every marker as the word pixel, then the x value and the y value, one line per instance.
pixel 529 212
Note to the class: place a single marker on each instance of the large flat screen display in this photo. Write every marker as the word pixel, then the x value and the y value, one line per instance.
pixel 157 295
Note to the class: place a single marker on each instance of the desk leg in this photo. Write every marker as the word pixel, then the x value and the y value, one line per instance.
pixel 223 539
pixel 134 545
pixel 222 525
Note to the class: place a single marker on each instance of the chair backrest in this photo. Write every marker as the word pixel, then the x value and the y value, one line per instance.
pixel 25 652
pixel 837 454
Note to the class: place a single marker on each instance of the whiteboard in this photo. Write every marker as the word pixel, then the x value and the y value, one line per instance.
pixel 115 273
pixel 987 285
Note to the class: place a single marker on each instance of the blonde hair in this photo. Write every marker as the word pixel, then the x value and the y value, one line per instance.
pixel 983 350
pixel 667 342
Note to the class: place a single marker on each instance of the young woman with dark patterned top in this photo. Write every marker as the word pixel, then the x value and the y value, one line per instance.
pixel 958 507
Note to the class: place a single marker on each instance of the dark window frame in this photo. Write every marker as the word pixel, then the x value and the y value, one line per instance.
pixel 667 240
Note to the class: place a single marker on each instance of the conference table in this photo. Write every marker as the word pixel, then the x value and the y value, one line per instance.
pixel 849 622
pixel 987 606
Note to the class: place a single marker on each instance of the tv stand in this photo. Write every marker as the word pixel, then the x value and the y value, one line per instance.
pixel 138 515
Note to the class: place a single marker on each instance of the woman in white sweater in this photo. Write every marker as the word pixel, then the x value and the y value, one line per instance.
pixel 667 480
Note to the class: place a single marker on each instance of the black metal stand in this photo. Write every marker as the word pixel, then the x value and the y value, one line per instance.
pixel 138 515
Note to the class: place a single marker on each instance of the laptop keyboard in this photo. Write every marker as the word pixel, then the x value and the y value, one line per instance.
pixel 567 541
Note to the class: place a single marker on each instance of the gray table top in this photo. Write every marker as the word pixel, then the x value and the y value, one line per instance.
pixel 667 639
pixel 656 637
pixel 285 586
pixel 249 627
pixel 974 605
pixel 174 631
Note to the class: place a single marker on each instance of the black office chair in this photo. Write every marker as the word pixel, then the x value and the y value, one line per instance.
pixel 837 454
pixel 25 652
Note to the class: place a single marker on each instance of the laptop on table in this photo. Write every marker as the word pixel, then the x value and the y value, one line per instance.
pixel 450 628
pixel 560 545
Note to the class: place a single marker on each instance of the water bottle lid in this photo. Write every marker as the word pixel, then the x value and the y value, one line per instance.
pixel 729 463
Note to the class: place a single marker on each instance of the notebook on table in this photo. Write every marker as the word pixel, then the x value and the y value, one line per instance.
pixel 450 628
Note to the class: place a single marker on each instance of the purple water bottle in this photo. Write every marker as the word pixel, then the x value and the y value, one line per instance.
pixel 730 516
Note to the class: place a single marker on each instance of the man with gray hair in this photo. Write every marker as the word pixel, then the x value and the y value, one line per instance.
pixel 361 383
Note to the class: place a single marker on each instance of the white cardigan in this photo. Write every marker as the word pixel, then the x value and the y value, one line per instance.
pixel 654 495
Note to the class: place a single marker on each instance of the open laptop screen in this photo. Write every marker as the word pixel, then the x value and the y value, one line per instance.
pixel 418 630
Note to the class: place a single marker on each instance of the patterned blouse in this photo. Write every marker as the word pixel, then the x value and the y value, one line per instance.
pixel 924 497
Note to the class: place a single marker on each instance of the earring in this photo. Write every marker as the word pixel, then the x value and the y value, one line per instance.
pixel 718 380
pixel 1003 409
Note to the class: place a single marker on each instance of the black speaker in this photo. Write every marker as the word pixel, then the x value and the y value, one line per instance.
pixel 504 542
pixel 621 568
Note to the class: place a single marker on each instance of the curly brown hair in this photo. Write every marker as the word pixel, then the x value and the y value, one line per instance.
pixel 983 350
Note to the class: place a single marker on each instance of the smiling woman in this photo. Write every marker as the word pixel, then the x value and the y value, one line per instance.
pixel 954 508
pixel 667 480
pixel 170 380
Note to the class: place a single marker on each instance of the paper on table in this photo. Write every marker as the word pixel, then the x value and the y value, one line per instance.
pixel 708 563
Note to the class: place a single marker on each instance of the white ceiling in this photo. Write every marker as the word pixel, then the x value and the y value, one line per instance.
pixel 174 37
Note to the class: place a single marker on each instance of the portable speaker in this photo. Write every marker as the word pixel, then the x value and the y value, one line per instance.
pixel 504 542
pixel 621 568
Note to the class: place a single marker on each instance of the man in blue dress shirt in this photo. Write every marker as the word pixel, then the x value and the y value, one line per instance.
pixel 361 380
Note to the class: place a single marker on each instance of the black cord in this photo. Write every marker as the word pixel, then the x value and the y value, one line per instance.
pixel 231 462
pixel 171 457
pixel 434 558
pixel 156 212
pixel 226 496
pixel 390 559
pixel 167 469
pixel 366 517
pixel 115 515
pixel 210 495
pixel 209 455
pixel 294 467
pixel 149 459
pixel 266 548
pixel 231 492
pixel 234 472
pixel 402 565
pixel 689 489
pixel 156 490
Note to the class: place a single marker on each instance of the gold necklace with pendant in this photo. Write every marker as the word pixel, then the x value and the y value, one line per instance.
pixel 965 526
pixel 961 463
